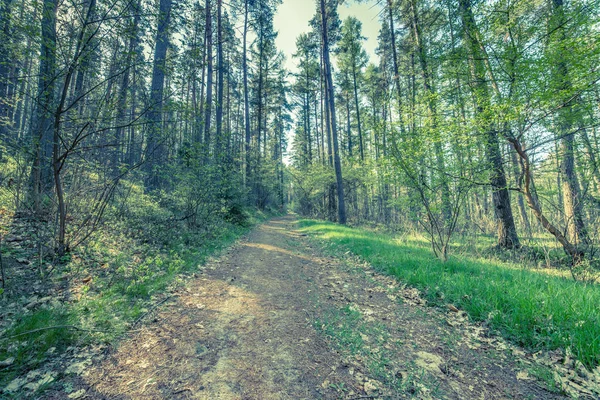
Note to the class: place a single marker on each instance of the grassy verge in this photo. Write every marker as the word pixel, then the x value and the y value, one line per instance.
pixel 96 295
pixel 530 308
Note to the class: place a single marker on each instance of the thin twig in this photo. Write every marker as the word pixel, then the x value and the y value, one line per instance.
pixel 56 327
pixel 2 265
pixel 150 310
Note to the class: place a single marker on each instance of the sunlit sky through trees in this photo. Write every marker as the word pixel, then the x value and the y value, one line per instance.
pixel 292 19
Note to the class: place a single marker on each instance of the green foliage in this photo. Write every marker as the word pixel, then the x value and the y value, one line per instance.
pixel 143 252
pixel 311 186
pixel 531 308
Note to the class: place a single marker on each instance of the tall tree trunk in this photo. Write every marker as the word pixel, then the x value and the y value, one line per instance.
pixel 134 41
pixel 247 132
pixel 506 230
pixel 432 110
pixel 259 122
pixel 325 115
pixel 307 116
pixel 333 122
pixel 84 62
pixel 209 81
pixel 573 205
pixel 155 142
pixel 395 63
pixel 357 105
pixel 318 132
pixel 219 108
pixel 41 127
pixel 5 101
pixel 201 110
pixel 348 126
pixel 321 107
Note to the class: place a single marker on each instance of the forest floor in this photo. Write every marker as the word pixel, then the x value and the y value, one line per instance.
pixel 276 318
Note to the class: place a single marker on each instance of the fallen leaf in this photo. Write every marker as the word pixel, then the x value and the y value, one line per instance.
pixel 430 362
pixel 48 377
pixel 523 376
pixel 78 394
pixel 7 362
pixel 371 387
pixel 15 385
pixel 78 368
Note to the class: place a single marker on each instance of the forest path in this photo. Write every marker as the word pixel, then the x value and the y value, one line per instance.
pixel 274 318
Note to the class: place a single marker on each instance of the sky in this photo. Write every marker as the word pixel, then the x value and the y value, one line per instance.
pixel 292 19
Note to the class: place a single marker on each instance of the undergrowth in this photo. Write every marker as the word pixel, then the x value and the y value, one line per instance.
pixel 529 307
pixel 104 287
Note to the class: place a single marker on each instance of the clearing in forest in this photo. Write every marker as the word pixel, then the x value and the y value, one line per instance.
pixel 274 318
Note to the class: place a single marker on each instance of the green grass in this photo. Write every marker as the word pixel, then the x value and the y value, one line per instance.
pixel 531 308
pixel 29 351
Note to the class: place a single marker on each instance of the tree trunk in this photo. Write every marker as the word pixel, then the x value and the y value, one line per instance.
pixel 246 96
pixel 533 203
pixel 219 108
pixel 520 202
pixel 209 81
pixel 573 205
pixel 348 126
pixel 134 41
pixel 357 105
pixel 506 230
pixel 5 101
pixel 333 122
pixel 325 115
pixel 395 63
pixel 42 122
pixel 432 110
pixel 154 144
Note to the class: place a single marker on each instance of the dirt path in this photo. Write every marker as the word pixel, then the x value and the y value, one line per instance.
pixel 274 318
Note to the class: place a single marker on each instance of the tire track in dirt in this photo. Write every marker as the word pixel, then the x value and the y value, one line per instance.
pixel 246 328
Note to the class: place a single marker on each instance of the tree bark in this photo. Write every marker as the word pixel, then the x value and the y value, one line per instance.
pixel 220 81
pixel 395 63
pixel 154 144
pixel 533 203
pixel 573 205
pixel 5 101
pixel 506 230
pixel 42 122
pixel 333 122
pixel 432 110
pixel 209 81
pixel 357 105
pixel 134 41
pixel 246 97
